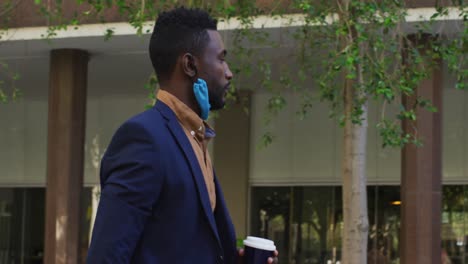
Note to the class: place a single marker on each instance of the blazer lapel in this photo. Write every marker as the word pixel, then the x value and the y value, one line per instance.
pixel 184 144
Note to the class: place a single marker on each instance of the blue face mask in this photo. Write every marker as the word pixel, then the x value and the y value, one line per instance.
pixel 201 94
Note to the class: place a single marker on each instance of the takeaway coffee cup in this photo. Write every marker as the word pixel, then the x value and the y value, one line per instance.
pixel 257 250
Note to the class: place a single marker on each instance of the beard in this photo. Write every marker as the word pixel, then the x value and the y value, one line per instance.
pixel 217 98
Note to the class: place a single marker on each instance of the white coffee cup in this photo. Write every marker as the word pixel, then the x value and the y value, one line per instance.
pixel 257 250
pixel 260 243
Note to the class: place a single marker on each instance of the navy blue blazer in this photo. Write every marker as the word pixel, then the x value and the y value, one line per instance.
pixel 154 206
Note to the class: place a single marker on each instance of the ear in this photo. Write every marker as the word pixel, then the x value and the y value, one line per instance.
pixel 188 65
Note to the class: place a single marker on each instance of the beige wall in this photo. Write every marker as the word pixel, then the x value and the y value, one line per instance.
pixel 231 162
pixel 308 152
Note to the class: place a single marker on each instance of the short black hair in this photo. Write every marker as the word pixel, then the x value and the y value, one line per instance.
pixel 175 32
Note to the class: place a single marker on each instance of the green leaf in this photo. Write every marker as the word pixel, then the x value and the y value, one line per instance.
pixel 351 76
pixel 3 96
pixel 266 140
pixel 432 109
pixel 109 33
pixel 460 86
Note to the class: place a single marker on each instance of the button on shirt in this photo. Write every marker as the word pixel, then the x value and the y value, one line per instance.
pixel 199 133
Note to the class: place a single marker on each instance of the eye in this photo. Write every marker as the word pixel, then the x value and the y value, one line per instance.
pixel 222 56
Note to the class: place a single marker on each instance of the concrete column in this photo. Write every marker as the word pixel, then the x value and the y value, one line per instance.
pixel 231 162
pixel 421 183
pixel 65 154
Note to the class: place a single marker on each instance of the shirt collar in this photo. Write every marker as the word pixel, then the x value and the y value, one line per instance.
pixel 186 116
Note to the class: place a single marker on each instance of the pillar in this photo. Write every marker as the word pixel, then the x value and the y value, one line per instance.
pixel 421 183
pixel 65 154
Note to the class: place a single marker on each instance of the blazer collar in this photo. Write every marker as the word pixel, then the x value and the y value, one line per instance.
pixel 183 142
pixel 165 111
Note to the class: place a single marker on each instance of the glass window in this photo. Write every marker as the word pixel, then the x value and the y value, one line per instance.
pixel 271 215
pixel 306 222
pixel 455 223
pixel 384 224
pixel 22 224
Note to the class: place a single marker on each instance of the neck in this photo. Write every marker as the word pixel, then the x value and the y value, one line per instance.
pixel 183 92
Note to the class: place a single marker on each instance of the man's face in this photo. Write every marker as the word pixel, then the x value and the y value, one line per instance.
pixel 215 70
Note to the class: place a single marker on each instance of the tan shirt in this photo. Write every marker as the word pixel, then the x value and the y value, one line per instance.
pixel 196 130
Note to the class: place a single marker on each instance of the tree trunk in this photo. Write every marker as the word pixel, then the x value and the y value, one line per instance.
pixel 355 219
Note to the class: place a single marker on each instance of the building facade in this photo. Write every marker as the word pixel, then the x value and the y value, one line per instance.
pixel 53 137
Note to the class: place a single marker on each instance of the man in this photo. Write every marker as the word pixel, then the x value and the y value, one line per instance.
pixel 161 202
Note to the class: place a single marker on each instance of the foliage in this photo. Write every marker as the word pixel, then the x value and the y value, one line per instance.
pixel 8 89
pixel 377 26
pixel 150 86
pixel 393 63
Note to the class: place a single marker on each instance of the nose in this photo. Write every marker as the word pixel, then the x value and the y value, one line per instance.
pixel 228 73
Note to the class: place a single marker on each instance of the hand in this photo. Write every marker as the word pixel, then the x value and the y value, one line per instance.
pixel 269 261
